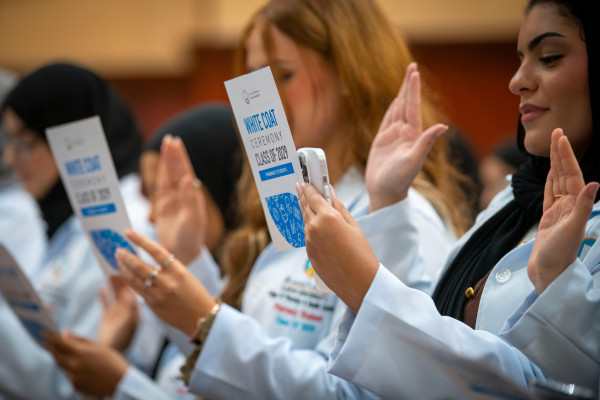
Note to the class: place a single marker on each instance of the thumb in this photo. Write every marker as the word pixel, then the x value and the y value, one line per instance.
pixel 425 141
pixel 73 338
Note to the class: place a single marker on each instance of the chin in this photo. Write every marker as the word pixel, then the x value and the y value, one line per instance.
pixel 537 149
pixel 32 190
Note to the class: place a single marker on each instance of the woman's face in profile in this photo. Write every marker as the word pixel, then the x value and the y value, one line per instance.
pixel 552 80
pixel 29 156
pixel 309 83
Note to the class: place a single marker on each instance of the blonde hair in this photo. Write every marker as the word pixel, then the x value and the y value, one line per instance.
pixel 370 59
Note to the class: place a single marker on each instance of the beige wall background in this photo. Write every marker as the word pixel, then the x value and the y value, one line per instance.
pixel 157 37
pixel 166 55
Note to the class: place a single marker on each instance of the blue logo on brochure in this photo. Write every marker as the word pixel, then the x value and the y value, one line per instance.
pixel 107 242
pixel 285 211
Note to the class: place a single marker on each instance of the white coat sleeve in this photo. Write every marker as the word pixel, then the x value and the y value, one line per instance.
pixel 207 271
pixel 23 361
pixel 239 360
pixel 410 239
pixel 136 385
pixel 566 319
pixel 398 338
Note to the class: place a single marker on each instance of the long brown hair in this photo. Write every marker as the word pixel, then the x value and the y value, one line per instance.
pixel 370 59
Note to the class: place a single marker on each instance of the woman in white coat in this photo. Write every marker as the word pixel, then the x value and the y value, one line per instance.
pixel 396 341
pixel 336 88
pixel 70 277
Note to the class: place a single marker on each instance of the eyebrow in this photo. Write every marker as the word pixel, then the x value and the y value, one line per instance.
pixel 537 40
pixel 275 61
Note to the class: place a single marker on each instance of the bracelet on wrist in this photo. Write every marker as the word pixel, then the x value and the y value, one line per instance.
pixel 198 337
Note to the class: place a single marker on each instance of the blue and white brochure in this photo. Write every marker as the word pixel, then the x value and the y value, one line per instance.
pixel 272 154
pixel 22 298
pixel 90 179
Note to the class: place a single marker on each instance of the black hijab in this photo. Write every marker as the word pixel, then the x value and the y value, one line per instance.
pixel 60 93
pixel 502 232
pixel 210 138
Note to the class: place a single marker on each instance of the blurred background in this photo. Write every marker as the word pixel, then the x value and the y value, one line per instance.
pixel 164 56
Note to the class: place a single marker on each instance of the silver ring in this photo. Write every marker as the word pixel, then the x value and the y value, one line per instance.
pixel 149 282
pixel 169 261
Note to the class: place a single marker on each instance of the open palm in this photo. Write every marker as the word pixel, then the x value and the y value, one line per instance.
pixel 400 147
pixel 567 205
pixel 180 209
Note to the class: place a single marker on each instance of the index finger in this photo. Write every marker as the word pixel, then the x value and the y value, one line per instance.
pixel 573 177
pixel 178 153
pixel 163 182
pixel 403 95
pixel 156 251
pixel 314 198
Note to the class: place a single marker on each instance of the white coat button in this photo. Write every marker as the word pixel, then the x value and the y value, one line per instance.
pixel 503 275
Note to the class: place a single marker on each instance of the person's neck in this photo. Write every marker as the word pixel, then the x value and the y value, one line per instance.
pixel 338 161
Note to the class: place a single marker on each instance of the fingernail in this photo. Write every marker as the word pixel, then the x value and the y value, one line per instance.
pixel 298 189
pixel 130 233
pixel 594 190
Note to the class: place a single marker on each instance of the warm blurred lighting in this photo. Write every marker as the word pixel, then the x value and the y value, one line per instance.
pixel 156 37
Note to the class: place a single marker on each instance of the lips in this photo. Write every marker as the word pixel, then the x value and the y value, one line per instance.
pixel 530 112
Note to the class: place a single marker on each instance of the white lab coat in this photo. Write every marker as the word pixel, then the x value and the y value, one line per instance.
pixel 142 354
pixel 68 283
pixel 22 229
pixel 399 347
pixel 278 347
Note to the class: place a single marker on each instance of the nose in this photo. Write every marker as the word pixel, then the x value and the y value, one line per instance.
pixel 522 81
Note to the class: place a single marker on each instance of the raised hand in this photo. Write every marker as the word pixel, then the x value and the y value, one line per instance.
pixel 180 210
pixel 400 147
pixel 568 202
pixel 170 290
pixel 120 317
pixel 336 246
pixel 92 367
